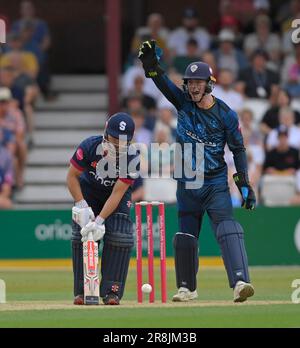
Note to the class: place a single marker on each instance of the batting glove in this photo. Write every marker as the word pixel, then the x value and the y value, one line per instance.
pixel 82 213
pixel 149 55
pixel 97 228
pixel 246 191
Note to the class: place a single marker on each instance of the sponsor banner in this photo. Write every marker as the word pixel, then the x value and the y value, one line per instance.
pixel 272 235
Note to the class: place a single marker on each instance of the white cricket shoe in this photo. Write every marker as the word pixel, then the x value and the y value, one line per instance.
pixel 242 291
pixel 185 295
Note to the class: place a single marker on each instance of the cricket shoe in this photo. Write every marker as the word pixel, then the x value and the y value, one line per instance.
pixel 111 299
pixel 185 295
pixel 242 291
pixel 78 300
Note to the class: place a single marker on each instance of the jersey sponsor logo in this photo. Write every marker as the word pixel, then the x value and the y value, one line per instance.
pixel 195 137
pixel 104 182
pixel 79 154
pixel 122 125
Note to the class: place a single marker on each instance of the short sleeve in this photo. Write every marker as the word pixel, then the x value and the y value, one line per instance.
pixel 80 158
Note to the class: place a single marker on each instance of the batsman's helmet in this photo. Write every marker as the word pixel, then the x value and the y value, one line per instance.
pixel 200 71
pixel 120 124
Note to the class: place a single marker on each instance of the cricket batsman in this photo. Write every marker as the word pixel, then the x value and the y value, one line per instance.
pixel 107 200
pixel 208 120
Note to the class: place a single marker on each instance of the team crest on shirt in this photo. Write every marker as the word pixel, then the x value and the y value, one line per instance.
pixel 79 154
pixel 194 67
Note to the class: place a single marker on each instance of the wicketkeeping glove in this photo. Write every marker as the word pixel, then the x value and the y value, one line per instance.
pixel 149 55
pixel 248 195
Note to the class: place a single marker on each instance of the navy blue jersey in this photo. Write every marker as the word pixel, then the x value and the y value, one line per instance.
pixel 86 159
pixel 214 127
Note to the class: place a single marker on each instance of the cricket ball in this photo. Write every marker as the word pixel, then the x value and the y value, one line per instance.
pixel 146 288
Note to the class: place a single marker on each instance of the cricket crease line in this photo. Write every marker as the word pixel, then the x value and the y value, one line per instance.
pixel 64 305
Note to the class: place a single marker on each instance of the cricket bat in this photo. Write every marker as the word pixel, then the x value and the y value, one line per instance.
pixel 90 271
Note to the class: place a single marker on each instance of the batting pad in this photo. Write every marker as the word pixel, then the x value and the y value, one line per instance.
pixel 118 243
pixel 186 260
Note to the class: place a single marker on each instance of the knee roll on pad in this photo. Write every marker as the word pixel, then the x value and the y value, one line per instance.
pixel 119 231
pixel 77 259
pixel 186 260
pixel 230 236
pixel 118 243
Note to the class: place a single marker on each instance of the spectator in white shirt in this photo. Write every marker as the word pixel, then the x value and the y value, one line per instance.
pixel 264 39
pixel 179 37
pixel 227 55
pixel 224 90
pixel 287 119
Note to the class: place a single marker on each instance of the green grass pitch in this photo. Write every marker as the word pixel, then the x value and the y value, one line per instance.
pixel 44 299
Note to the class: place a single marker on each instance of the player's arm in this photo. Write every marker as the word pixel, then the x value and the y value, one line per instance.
pixel 73 183
pixel 81 212
pixel 148 57
pixel 235 143
pixel 114 199
pixel 97 226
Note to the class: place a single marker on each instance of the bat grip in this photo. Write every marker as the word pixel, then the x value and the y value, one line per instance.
pixel 90 236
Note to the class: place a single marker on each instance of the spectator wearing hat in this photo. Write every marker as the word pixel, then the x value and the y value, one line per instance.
pixel 257 81
pixel 178 38
pixel 23 98
pixel 224 90
pixel 264 39
pixel 286 120
pixel 13 121
pixel 6 178
pixel 283 159
pixel 227 56
pixel 270 119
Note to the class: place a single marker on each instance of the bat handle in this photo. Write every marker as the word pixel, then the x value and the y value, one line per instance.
pixel 90 236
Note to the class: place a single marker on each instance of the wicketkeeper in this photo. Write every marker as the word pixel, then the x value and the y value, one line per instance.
pixel 205 119
pixel 108 200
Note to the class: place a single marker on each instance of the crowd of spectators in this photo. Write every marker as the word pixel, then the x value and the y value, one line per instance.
pixel 23 76
pixel 255 62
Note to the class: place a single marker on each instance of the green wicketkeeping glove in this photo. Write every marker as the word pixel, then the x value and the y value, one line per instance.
pixel 148 54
